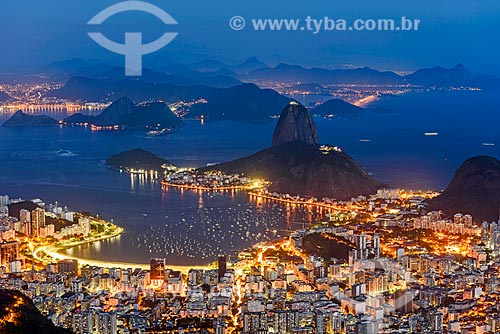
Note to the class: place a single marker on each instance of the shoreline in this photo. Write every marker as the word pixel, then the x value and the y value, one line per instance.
pixel 202 188
pixel 54 251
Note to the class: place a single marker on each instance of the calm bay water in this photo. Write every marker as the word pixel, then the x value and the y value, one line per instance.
pixel 188 227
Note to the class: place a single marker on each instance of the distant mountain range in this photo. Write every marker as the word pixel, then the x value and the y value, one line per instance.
pixel 228 98
pixel 296 164
pixel 474 190
pixel 245 102
pixel 286 72
pixel 20 119
pixel 216 73
pixel 125 113
pixel 437 76
pixel 160 64
pixel 219 78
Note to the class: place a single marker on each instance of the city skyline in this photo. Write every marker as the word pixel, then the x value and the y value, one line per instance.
pixel 279 167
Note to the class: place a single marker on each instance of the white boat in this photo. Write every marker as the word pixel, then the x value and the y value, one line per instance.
pixel 162 132
pixel 431 133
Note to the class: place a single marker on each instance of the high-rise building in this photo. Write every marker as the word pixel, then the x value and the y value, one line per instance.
pixel 220 326
pixel 15 266
pixel 361 247
pixel 4 200
pixel 84 223
pixel 366 326
pixel 254 322
pixel 376 245
pixel 403 301
pixel 222 267
pixel 319 323
pixel 24 216
pixel 437 321
pixel 37 221
pixel 26 229
pixel 9 251
pixel 468 220
pixel 157 269
pixel 107 323
pixel 68 266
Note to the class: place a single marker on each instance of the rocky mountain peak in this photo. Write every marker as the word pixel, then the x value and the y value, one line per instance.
pixel 295 124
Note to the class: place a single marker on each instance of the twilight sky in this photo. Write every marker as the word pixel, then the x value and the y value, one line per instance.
pixel 35 32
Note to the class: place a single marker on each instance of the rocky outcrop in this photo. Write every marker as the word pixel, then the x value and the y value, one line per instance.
pixel 296 164
pixel 295 124
pixel 474 190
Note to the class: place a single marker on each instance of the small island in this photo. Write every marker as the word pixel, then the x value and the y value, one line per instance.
pixel 20 119
pixel 337 108
pixel 138 161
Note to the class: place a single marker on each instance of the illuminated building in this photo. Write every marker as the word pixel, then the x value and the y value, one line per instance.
pixel 26 228
pixel 68 266
pixel 403 301
pixel 222 267
pixel 37 221
pixel 376 245
pixel 106 323
pixel 284 320
pixel 220 326
pixel 367 326
pixel 157 269
pixel 361 246
pixel 15 267
pixel 255 322
pixel 9 251
pixel 4 200
pixel 437 321
pixel 24 216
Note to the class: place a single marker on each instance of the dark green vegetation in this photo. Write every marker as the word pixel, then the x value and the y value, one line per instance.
pixel 15 208
pixel 327 246
pixel 137 159
pixel 474 190
pixel 18 315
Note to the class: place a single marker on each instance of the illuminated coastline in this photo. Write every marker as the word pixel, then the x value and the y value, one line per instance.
pixel 202 188
pixel 53 252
